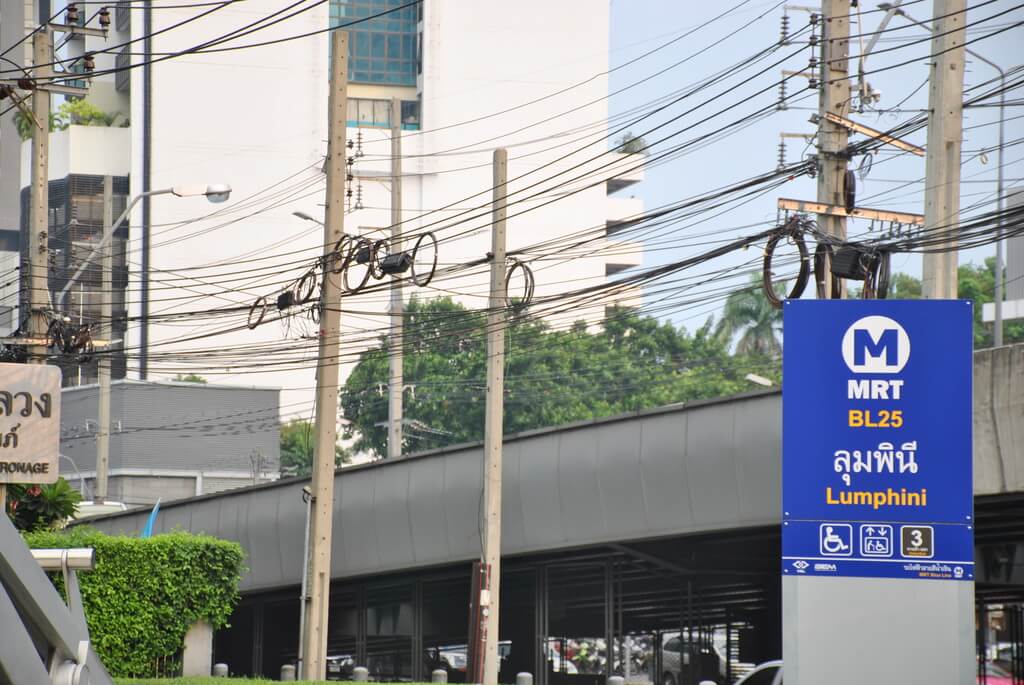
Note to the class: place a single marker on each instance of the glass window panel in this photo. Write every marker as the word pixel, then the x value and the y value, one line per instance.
pixel 382 113
pixel 365 111
pixel 389 39
pixel 362 44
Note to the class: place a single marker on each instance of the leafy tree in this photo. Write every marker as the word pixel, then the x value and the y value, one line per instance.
pixel 552 376
pixel 38 507
pixel 189 378
pixel 974 282
pixel 749 317
pixel 904 287
pixel 631 144
pixel 78 112
pixel 298 440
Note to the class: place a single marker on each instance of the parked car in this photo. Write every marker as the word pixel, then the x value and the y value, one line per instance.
pixel 675 662
pixel 768 673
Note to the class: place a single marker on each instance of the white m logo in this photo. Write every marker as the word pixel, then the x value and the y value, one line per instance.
pixel 876 344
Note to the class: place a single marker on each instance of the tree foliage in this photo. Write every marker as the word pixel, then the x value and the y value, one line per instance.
pixel 298 442
pixel 72 112
pixel 750 320
pixel 976 282
pixel 144 594
pixel 189 378
pixel 552 377
pixel 38 507
pixel 631 144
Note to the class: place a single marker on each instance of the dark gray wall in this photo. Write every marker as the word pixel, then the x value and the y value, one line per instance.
pixel 672 471
pixel 173 426
pixel 666 472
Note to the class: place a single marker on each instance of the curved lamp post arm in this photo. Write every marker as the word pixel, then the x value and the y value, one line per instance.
pixel 215 193
pixel 108 233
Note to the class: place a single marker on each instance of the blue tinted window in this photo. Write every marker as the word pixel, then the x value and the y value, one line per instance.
pixel 382 49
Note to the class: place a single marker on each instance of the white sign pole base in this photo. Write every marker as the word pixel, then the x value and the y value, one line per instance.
pixel 868 631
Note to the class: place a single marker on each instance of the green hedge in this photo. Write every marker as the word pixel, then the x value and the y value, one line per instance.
pixel 145 593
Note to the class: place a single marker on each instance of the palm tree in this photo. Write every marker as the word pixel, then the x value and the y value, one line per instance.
pixel 749 315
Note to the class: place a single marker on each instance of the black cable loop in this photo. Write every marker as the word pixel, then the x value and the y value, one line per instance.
pixel 529 283
pixel 305 287
pixel 876 284
pixel 261 302
pixel 415 253
pixel 356 247
pixel 376 260
pixel 341 254
pixel 792 231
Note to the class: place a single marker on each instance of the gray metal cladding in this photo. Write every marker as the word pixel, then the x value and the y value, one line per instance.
pixel 667 472
pixel 177 426
pixel 671 471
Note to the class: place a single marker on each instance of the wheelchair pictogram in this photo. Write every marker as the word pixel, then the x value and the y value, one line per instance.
pixel 836 539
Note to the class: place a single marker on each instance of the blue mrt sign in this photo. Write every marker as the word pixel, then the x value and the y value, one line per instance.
pixel 876 440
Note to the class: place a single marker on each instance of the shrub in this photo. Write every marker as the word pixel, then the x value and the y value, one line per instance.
pixel 145 594
pixel 34 507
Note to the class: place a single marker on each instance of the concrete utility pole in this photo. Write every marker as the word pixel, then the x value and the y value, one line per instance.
pixel 494 418
pixel 107 329
pixel 945 136
pixel 314 649
pixel 395 379
pixel 836 97
pixel 39 207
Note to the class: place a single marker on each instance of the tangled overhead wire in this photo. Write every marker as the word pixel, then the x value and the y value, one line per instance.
pixel 70 339
pixel 832 262
pixel 355 259
pixel 792 231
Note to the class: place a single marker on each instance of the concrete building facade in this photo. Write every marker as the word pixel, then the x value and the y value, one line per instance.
pixel 171 440
pixel 255 118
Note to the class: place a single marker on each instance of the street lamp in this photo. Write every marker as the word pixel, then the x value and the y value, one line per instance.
pixel 215 193
pixel 307 217
pixel 997 336
pixel 760 380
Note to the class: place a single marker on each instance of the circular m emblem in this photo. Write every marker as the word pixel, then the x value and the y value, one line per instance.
pixel 876 344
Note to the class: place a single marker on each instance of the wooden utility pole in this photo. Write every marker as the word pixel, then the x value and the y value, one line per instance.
pixel 945 136
pixel 835 98
pixel 314 649
pixel 494 418
pixel 39 206
pixel 395 379
pixel 103 362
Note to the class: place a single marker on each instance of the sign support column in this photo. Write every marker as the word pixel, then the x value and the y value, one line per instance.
pixel 877 492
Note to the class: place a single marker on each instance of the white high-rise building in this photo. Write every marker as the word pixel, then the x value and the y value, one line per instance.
pixel 471 76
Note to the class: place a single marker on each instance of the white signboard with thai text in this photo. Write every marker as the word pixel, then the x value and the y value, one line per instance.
pixel 29 423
